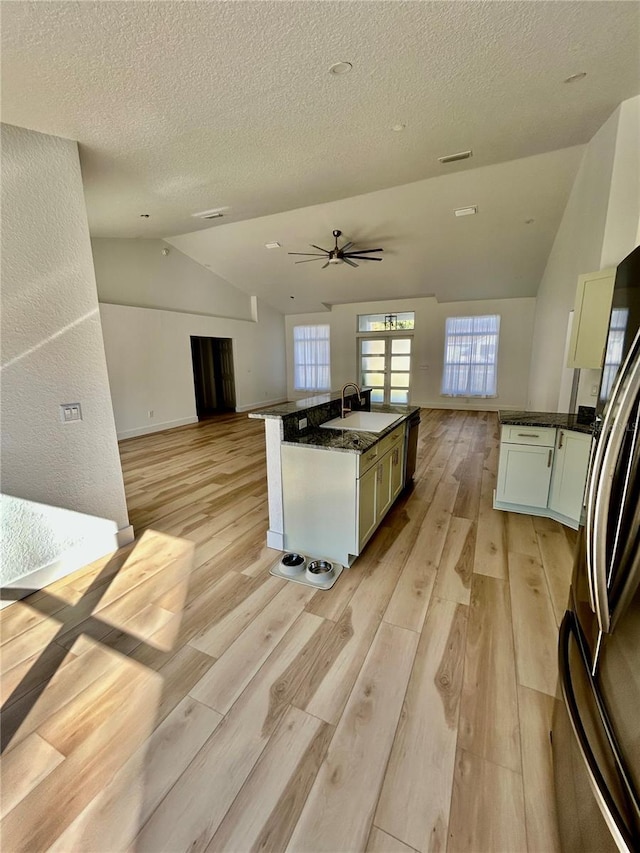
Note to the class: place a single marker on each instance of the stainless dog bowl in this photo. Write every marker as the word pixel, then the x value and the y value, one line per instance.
pixel 319 571
pixel 292 564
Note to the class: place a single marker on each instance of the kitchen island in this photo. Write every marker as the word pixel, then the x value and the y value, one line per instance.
pixel 328 488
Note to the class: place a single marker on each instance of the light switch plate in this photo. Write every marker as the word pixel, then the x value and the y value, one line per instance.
pixel 70 412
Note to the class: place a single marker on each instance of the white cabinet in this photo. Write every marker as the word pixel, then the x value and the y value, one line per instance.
pixel 591 319
pixel 367 509
pixel 570 473
pixel 524 474
pixel 333 501
pixel 544 475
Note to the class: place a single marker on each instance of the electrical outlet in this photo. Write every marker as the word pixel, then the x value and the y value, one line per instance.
pixel 70 412
pixel 594 390
pixel 150 413
pixel 302 423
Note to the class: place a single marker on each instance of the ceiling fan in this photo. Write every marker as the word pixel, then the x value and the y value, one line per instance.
pixel 338 255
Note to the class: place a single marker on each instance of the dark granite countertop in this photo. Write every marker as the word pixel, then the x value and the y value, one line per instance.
pixel 561 420
pixel 351 441
pixel 298 406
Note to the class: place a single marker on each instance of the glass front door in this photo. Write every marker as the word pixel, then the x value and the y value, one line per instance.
pixel 385 367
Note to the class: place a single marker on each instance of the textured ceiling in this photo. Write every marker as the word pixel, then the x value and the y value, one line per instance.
pixel 185 106
pixel 427 250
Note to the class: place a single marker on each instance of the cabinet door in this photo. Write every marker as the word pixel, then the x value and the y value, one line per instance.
pixel 383 485
pixel 591 319
pixel 570 473
pixel 524 474
pixel 396 471
pixel 367 516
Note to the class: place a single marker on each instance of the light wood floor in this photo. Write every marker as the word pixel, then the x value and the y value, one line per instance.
pixel 176 697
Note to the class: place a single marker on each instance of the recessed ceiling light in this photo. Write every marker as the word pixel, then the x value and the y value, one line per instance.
pixel 466 211
pixel 451 158
pixel 398 127
pixel 274 245
pixel 575 77
pixel 340 68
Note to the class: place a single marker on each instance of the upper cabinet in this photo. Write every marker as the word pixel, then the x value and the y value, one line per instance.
pixel 591 319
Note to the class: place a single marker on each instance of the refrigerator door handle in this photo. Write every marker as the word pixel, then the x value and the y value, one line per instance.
pixel 605 802
pixel 618 414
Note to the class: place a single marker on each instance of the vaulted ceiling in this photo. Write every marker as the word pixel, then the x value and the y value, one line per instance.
pixel 181 107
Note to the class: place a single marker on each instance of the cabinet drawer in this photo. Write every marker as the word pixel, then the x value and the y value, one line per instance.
pixel 543 436
pixel 389 441
pixel 367 459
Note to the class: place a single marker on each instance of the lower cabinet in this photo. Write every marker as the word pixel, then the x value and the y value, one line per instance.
pixel 573 450
pixel 524 474
pixel 367 505
pixel 334 501
pixel 543 472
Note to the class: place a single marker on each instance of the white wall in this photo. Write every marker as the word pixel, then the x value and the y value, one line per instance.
pixel 150 368
pixel 52 353
pixel 136 273
pixel 599 228
pixel 516 330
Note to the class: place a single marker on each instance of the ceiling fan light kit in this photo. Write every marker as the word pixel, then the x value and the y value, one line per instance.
pixel 339 254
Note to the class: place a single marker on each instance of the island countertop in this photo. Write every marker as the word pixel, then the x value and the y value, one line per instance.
pixel 351 441
pixel 559 420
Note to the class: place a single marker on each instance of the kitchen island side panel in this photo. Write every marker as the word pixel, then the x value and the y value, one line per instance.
pixel 319 491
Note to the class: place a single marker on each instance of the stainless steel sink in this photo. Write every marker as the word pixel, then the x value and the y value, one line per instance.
pixel 363 421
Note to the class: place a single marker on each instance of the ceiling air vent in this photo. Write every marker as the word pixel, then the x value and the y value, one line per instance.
pixel 452 158
pixel 216 213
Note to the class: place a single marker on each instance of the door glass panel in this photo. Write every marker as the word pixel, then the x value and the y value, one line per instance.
pixel 400 362
pixel 374 380
pixel 373 362
pixel 400 380
pixel 373 347
pixel 399 397
pixel 401 346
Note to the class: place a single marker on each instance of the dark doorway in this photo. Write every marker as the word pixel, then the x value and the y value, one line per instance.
pixel 213 375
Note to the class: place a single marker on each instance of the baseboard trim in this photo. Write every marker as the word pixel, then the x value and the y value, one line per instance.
pixel 67 563
pixel 146 430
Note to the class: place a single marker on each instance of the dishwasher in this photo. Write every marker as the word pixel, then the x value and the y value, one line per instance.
pixel 411 447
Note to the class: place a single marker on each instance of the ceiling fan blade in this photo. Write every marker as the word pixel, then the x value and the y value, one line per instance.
pixel 360 258
pixel 308 254
pixel 326 251
pixel 351 264
pixel 346 246
pixel 309 260
pixel 364 251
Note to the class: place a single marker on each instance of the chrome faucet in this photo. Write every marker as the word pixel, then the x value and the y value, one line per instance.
pixel 346 409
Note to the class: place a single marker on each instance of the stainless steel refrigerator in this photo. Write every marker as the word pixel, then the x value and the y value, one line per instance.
pixel 596 726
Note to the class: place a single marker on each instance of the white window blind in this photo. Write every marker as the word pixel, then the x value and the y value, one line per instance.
pixel 471 356
pixel 311 357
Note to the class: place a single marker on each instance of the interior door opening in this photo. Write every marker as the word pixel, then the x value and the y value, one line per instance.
pixel 213 376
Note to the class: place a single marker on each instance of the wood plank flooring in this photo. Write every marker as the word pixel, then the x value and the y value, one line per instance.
pixel 175 696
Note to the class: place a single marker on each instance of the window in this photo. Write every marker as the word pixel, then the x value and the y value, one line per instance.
pixel 403 321
pixel 471 356
pixel 312 366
